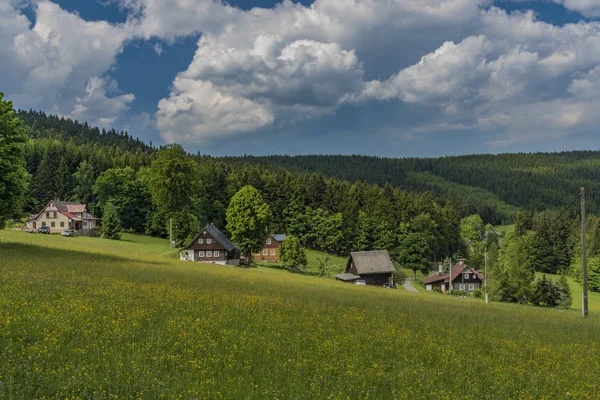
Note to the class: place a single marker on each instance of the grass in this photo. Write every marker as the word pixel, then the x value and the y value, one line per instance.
pixel 312 257
pixel 90 318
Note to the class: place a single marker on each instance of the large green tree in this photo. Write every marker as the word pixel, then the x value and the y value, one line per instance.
pixel 293 254
pixel 173 179
pixel 13 176
pixel 248 220
pixel 414 253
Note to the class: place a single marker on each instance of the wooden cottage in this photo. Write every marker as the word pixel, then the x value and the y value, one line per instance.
pixel 462 276
pixel 270 251
pixel 375 267
pixel 210 245
pixel 62 215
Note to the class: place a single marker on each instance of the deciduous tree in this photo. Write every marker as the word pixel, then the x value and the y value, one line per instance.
pixel 248 220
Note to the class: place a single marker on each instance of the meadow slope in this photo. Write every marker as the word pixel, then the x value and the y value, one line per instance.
pixel 90 318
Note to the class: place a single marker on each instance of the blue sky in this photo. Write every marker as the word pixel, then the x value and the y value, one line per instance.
pixel 389 78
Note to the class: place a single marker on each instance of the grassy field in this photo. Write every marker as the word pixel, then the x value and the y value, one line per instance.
pixel 85 318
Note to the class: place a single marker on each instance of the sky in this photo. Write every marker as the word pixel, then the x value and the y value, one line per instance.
pixel 393 78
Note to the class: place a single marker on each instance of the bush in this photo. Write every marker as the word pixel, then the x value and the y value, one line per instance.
pixel 477 293
pixel 437 289
pixel 399 277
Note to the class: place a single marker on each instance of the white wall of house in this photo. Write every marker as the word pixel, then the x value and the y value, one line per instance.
pixel 186 255
pixel 57 225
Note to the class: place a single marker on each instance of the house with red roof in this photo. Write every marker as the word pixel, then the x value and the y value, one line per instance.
pixel 62 215
pixel 461 277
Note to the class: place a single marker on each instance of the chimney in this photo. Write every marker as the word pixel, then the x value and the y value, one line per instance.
pixel 440 268
pixel 461 261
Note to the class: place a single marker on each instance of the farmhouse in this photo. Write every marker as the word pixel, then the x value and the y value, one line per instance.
pixel 210 245
pixel 63 215
pixel 270 251
pixel 463 278
pixel 375 267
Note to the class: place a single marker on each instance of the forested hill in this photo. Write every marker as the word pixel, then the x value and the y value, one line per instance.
pixel 497 187
pixel 492 184
pixel 40 126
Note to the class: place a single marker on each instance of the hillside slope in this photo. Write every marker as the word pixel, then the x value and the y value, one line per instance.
pixel 118 321
pixel 533 181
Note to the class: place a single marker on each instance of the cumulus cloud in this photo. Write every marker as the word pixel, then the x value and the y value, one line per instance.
pixel 464 64
pixel 98 109
pixel 55 63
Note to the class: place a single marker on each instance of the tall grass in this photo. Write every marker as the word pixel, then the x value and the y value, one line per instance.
pixel 112 320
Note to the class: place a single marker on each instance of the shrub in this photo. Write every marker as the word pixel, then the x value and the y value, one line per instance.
pixel 458 293
pixel 399 277
pixel 477 293
pixel 436 289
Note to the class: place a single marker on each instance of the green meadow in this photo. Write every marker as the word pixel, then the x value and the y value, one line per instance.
pixel 87 318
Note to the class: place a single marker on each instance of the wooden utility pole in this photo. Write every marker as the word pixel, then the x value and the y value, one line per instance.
pixel 584 300
pixel 171 232
pixel 485 277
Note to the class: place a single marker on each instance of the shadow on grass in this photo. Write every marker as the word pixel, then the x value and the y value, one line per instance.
pixel 284 268
pixel 41 254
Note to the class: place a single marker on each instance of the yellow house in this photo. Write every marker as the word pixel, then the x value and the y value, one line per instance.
pixel 62 215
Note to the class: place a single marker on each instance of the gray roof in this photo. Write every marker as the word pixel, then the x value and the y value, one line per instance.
pixel 280 237
pixel 217 235
pixel 372 262
pixel 347 277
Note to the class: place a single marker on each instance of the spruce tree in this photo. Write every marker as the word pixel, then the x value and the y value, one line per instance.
pixel 111 224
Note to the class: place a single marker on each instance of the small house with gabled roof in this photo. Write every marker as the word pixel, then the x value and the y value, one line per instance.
pixel 210 245
pixel 375 267
pixel 270 251
pixel 462 276
pixel 62 215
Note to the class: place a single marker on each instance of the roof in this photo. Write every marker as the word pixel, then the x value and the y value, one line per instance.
pixel 347 277
pixel 217 235
pixel 87 215
pixel 71 216
pixel 280 237
pixel 458 268
pixel 75 208
pixel 372 262
pixel 66 208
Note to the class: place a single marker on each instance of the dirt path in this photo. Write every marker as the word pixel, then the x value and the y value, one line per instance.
pixel 408 286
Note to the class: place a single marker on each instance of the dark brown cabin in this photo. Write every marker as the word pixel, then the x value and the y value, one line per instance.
pixel 210 245
pixel 375 267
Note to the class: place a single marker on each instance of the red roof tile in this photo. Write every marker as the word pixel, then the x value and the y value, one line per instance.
pixel 458 268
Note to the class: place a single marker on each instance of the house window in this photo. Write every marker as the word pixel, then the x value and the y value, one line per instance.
pixel 216 253
pixel 473 276
pixel 47 214
pixel 43 224
pixel 52 224
pixel 272 252
pixel 62 224
pixel 265 252
pixel 201 254
pixel 269 241
pixel 208 241
pixel 471 286
pixel 208 254
pixel 258 254
pixel 461 286
pixel 200 241
pixel 34 225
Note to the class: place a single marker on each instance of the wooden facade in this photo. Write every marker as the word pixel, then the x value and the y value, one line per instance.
pixel 463 278
pixel 211 246
pixel 270 251
pixel 375 267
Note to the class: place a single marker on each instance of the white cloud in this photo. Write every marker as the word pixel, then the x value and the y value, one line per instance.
pixel 98 109
pixel 52 64
pixel 158 49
